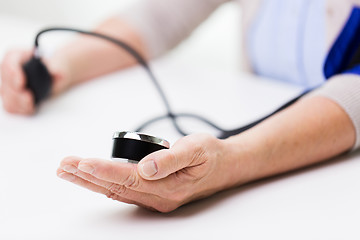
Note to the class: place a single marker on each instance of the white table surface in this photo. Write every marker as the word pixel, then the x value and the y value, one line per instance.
pixel 320 202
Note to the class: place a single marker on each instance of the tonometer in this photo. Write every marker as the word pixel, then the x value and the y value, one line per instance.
pixel 127 145
pixel 134 146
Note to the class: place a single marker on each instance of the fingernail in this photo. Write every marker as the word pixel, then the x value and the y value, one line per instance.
pixel 67 176
pixel 86 168
pixel 149 168
pixel 70 169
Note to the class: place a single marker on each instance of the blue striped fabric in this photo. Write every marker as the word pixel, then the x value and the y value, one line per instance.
pixel 287 41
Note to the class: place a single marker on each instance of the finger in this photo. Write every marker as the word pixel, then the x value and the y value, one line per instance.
pixel 90 186
pixel 73 165
pixel 101 170
pixel 69 172
pixel 185 153
pixel 71 161
pixel 70 165
pixel 17 101
pixel 121 173
pixel 98 189
pixel 11 68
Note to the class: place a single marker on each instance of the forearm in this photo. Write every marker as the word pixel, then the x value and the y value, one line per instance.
pixel 151 27
pixel 311 131
pixel 87 57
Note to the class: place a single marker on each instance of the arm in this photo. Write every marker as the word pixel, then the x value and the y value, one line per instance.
pixel 87 57
pixel 312 130
pixel 151 27
pixel 80 60
pixel 320 126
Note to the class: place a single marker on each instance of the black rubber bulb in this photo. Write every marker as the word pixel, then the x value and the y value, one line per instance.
pixel 38 79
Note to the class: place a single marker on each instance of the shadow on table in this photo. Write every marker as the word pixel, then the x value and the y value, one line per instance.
pixel 205 204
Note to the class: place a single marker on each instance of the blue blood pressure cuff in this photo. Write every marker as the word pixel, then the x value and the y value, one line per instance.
pixel 344 56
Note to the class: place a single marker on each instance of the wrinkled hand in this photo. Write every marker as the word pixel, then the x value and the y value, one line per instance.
pixel 195 167
pixel 16 98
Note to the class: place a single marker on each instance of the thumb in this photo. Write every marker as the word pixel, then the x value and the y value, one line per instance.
pixel 186 152
pixel 162 163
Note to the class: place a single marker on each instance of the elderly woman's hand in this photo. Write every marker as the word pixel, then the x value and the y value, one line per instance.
pixel 195 167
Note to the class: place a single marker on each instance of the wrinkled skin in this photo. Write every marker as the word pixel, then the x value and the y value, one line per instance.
pixel 162 181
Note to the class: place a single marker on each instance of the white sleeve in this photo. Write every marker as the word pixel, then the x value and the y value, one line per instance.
pixel 163 24
pixel 344 89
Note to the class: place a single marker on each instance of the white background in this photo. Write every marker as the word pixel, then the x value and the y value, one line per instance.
pixel 220 33
pixel 320 202
pixel 78 12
